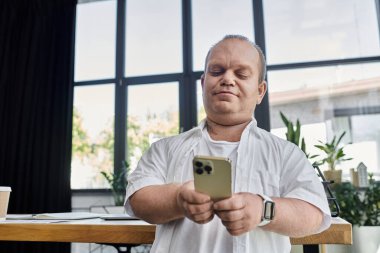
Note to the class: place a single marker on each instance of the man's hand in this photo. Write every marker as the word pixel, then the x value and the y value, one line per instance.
pixel 196 206
pixel 241 213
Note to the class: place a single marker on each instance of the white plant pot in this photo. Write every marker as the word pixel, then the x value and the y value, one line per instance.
pixel 366 239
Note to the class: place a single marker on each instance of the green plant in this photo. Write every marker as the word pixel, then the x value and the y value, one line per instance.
pixel 371 203
pixel 360 207
pixel 118 182
pixel 334 154
pixel 349 202
pixel 293 133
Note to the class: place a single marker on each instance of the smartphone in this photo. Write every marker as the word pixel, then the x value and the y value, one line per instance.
pixel 212 176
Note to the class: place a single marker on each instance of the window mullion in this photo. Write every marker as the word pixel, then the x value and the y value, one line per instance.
pixel 262 111
pixel 187 86
pixel 120 89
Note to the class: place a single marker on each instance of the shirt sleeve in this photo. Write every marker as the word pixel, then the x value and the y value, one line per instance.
pixel 299 180
pixel 151 170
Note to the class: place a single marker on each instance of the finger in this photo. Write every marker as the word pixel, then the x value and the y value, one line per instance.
pixel 233 215
pixel 191 196
pixel 234 203
pixel 199 213
pixel 203 218
pixel 189 185
pixel 198 209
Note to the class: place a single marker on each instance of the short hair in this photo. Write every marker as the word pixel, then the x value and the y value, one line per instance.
pixel 263 66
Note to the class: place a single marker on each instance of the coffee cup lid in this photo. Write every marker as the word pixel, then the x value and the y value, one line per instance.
pixel 5 189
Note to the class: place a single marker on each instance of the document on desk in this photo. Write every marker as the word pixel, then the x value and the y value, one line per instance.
pixel 121 216
pixel 54 216
pixel 30 221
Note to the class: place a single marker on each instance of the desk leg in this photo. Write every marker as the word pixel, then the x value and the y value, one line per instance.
pixel 313 248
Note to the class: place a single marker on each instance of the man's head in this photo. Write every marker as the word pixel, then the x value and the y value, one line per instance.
pixel 263 65
pixel 233 81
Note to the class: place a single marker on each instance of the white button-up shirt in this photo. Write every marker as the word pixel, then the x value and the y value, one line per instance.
pixel 265 165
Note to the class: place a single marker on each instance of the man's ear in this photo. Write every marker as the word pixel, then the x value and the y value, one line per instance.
pixel 202 79
pixel 262 89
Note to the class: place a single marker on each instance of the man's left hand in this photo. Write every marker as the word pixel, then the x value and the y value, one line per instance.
pixel 240 213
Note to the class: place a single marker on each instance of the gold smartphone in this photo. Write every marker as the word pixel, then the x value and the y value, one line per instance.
pixel 212 176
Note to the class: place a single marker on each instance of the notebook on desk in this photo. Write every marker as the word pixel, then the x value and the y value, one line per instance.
pixel 54 216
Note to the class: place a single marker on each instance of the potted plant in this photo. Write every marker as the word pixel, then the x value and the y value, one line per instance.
pixel 293 134
pixel 371 203
pixel 334 155
pixel 118 183
pixel 361 207
pixel 348 198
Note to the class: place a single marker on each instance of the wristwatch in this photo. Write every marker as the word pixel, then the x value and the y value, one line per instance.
pixel 268 210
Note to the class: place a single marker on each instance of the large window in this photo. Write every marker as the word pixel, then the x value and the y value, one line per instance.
pixel 93 135
pixel 138 65
pixel 307 30
pixel 324 71
pixel 153 113
pixel 153 37
pixel 212 19
pixel 95 40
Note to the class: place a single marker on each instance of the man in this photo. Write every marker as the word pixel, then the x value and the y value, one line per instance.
pixel 268 173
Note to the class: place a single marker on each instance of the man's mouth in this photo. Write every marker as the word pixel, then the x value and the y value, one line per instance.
pixel 224 92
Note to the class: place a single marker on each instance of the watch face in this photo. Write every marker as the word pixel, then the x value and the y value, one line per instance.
pixel 268 210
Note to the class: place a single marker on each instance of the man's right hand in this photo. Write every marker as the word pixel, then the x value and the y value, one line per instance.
pixel 196 206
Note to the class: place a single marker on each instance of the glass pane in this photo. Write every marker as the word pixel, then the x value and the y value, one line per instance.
pixel 319 96
pixel 95 40
pixel 321 77
pixel 308 30
pixel 153 113
pixel 365 134
pixel 154 37
pixel 93 135
pixel 213 19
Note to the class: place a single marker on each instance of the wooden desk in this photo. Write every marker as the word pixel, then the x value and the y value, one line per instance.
pixel 135 232
pixel 340 232
pixel 89 230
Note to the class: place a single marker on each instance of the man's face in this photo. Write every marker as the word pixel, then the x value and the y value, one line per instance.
pixel 230 82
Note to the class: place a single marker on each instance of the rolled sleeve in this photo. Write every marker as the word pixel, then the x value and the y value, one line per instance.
pixel 149 171
pixel 301 182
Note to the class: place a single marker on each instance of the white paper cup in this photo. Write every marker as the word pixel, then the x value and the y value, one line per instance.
pixel 5 191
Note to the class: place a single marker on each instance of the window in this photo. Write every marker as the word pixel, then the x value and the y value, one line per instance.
pixel 153 37
pixel 307 30
pixel 316 96
pixel 93 135
pixel 153 113
pixel 95 40
pixel 138 65
pixel 342 79
pixel 213 19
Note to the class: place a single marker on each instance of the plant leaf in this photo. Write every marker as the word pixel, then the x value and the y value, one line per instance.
pixel 284 119
pixel 297 133
pixel 340 138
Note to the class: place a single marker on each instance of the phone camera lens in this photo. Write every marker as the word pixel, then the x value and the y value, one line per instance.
pixel 199 171
pixel 208 169
pixel 198 164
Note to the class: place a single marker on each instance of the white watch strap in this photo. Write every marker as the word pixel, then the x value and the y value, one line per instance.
pixel 266 210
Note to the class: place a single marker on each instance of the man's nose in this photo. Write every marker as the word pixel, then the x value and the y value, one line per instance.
pixel 228 78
